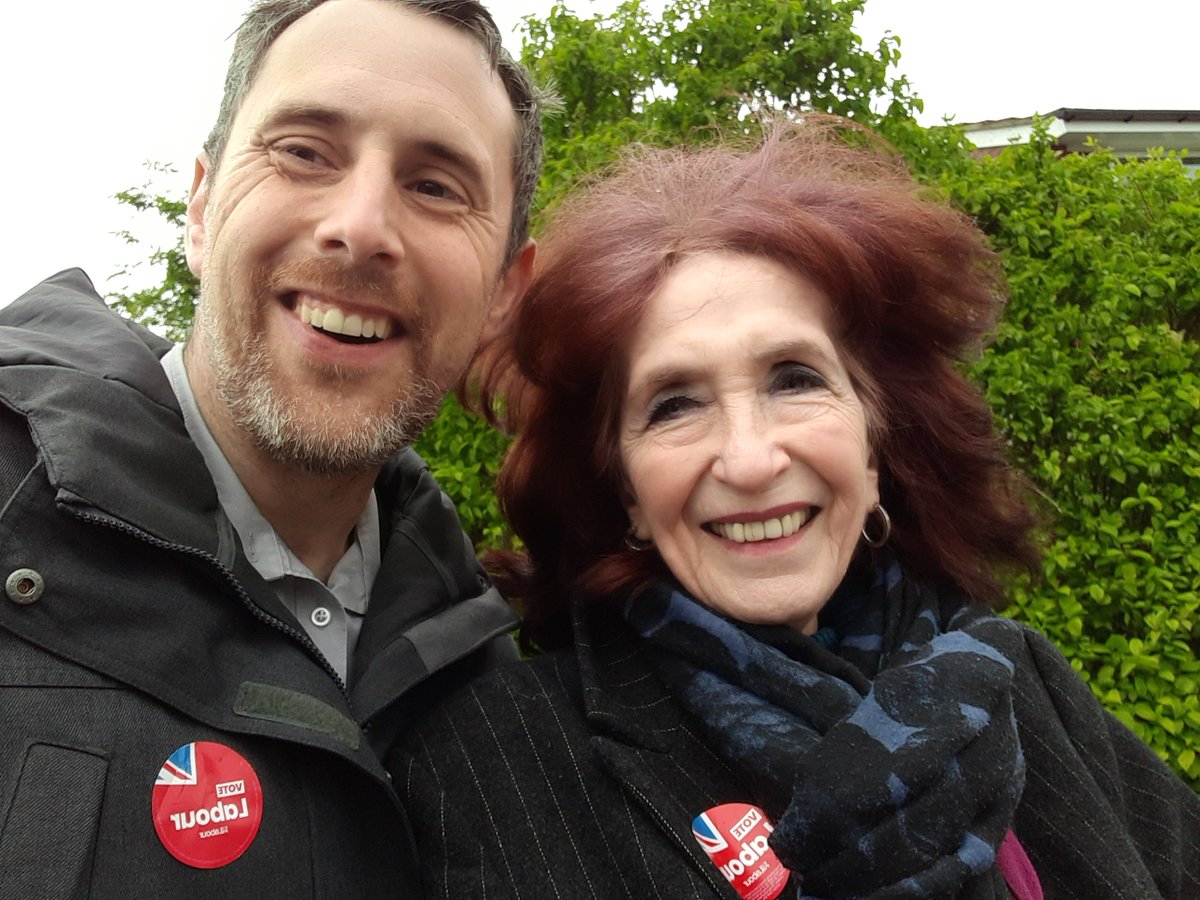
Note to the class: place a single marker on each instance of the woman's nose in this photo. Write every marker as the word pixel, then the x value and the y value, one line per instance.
pixel 749 457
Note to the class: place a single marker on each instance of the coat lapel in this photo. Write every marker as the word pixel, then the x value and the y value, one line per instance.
pixel 646 743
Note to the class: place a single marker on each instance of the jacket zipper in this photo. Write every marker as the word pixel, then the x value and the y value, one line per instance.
pixel 255 610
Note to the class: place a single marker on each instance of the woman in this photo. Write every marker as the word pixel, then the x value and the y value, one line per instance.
pixel 764 516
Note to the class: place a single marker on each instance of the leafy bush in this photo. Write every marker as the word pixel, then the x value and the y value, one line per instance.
pixel 464 454
pixel 1095 379
pixel 166 307
pixel 701 70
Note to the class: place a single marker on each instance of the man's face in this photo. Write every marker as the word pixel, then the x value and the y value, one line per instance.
pixel 351 242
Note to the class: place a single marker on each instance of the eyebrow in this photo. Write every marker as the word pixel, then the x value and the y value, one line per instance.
pixel 469 165
pixel 335 119
pixel 302 113
pixel 671 374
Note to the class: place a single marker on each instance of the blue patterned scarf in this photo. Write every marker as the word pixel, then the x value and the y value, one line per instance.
pixel 889 760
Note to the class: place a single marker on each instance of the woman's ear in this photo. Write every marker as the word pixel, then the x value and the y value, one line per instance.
pixel 873 477
pixel 640 531
pixel 637 522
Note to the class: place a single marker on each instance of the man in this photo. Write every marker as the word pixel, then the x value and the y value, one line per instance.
pixel 227 584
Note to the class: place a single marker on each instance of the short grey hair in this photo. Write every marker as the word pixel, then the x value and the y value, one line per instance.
pixel 268 19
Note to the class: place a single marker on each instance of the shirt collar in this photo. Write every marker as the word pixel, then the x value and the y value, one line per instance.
pixel 354 573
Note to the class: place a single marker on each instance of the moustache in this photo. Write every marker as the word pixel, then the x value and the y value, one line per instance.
pixel 365 285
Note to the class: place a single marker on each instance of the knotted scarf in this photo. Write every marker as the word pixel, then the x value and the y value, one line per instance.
pixel 890 761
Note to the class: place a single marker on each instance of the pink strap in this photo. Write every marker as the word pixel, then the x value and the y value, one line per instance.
pixel 1017 870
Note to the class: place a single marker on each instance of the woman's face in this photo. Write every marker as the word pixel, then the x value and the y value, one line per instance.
pixel 743 441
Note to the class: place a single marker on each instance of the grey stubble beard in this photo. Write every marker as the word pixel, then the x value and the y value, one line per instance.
pixel 278 426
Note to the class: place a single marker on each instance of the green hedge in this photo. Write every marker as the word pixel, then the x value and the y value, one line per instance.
pixel 1095 380
pixel 464 454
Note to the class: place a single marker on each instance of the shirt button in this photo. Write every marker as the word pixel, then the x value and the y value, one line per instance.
pixel 320 617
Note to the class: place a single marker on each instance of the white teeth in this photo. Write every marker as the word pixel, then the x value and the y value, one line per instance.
pixel 333 321
pixel 768 529
pixel 336 321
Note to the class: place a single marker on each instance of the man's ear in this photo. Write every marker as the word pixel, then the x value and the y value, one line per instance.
pixel 513 285
pixel 197 204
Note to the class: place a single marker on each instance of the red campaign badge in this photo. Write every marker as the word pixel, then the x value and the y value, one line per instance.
pixel 207 805
pixel 734 835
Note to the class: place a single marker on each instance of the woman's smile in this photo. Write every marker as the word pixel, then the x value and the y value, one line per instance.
pixel 751 528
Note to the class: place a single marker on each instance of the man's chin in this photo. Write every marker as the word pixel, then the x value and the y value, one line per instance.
pixel 342 442
pixel 329 461
pixel 321 427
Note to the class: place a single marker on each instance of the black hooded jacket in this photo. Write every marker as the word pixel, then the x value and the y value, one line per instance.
pixel 133 625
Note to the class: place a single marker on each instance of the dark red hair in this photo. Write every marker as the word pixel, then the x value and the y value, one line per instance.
pixel 914 290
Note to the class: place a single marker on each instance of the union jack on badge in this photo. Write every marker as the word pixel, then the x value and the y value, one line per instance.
pixel 707 834
pixel 180 767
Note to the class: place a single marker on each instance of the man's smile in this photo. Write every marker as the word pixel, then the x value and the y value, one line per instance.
pixel 346 325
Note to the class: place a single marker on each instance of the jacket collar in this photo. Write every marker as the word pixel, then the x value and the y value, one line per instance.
pixel 71 391
pixel 143 475
pixel 622 693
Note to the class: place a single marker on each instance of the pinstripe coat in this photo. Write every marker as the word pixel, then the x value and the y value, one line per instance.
pixel 576 775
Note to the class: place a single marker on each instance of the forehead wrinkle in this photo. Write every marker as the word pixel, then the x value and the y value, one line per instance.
pixel 759 353
pixel 501 115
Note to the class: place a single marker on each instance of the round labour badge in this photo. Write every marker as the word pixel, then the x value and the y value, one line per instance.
pixel 734 835
pixel 207 805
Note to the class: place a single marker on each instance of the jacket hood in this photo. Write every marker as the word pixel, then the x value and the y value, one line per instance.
pixel 45 324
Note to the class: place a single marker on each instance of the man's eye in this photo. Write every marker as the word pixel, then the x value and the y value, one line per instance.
pixel 436 189
pixel 668 408
pixel 302 152
pixel 795 377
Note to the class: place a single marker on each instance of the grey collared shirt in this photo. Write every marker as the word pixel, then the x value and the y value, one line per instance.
pixel 331 612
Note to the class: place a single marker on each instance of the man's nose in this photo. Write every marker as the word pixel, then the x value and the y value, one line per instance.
pixel 361 223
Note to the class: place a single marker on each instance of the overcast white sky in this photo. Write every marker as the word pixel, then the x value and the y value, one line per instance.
pixel 94 90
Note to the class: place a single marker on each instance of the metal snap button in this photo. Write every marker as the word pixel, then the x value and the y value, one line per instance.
pixel 24 586
pixel 320 617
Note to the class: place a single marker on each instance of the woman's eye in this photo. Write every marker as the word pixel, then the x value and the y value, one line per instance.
pixel 668 408
pixel 795 377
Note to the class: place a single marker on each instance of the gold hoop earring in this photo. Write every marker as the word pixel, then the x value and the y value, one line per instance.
pixel 885 530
